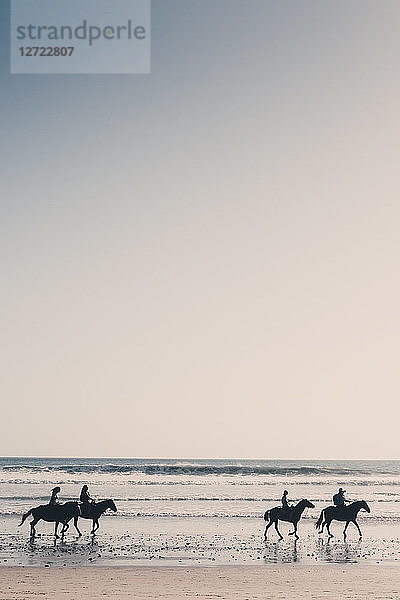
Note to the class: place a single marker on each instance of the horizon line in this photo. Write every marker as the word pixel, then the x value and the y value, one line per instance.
pixel 199 458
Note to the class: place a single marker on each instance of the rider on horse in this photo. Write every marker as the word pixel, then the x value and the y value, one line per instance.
pixel 86 499
pixel 339 500
pixel 285 505
pixel 54 500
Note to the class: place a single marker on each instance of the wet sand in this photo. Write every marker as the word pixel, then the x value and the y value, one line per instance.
pixel 135 542
pixel 122 564
pixel 352 582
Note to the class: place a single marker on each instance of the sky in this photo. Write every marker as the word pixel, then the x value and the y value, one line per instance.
pixel 204 261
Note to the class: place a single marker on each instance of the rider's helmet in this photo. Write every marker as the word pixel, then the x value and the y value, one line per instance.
pixel 56 489
pixel 285 493
pixel 342 491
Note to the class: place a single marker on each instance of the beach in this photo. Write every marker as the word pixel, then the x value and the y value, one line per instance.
pixel 194 529
pixel 224 583
pixel 197 513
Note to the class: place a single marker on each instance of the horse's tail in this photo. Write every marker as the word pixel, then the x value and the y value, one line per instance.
pixel 266 515
pixel 25 516
pixel 321 518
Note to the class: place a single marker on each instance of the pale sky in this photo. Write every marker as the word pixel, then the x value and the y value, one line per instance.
pixel 204 261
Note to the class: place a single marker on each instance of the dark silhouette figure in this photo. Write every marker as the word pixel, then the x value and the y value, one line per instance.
pixel 281 514
pixel 341 513
pixel 339 499
pixel 87 502
pixel 53 513
pixel 285 503
pixel 96 510
pixel 54 493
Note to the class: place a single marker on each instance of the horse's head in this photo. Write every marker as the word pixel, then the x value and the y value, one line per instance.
pixel 111 505
pixel 304 504
pixel 365 506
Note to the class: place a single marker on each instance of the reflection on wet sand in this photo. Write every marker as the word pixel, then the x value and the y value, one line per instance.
pixel 282 552
pixel 337 552
pixel 242 547
pixel 327 551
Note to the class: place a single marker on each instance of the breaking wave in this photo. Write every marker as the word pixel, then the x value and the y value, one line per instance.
pixel 193 469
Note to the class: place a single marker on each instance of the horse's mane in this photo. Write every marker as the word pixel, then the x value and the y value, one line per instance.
pixel 302 501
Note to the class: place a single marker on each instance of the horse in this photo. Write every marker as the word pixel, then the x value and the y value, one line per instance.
pixel 96 509
pixel 293 515
pixel 346 513
pixel 54 513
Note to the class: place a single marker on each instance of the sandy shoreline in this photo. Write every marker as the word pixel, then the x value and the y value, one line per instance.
pixel 353 582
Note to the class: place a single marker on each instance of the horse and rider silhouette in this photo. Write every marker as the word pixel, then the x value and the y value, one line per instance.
pixel 339 512
pixel 95 512
pixel 87 508
pixel 344 513
pixel 53 513
pixel 57 513
pixel 290 514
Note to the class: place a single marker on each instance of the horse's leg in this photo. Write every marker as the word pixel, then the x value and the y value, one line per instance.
pixel 76 526
pixel 359 530
pixel 277 530
pixel 294 523
pixel 93 529
pixel 321 529
pixel 33 530
pixel 266 529
pixel 97 525
pixel 65 527
pixel 294 532
pixel 329 531
pixel 55 529
pixel 345 528
pixel 323 522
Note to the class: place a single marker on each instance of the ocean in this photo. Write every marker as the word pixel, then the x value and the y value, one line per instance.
pixel 198 511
